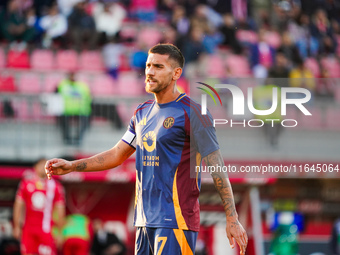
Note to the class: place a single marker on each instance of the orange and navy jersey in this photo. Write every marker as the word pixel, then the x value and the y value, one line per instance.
pixel 40 196
pixel 170 139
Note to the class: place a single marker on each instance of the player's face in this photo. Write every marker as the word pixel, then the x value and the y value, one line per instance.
pixel 159 72
pixel 40 168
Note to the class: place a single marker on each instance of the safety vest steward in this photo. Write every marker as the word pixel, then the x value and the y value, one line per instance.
pixel 77 97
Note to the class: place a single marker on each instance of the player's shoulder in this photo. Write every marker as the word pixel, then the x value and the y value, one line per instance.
pixel 144 105
pixel 28 175
pixel 187 101
pixel 193 108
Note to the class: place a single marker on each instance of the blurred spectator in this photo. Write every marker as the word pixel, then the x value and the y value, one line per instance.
pixel 13 24
pixel 302 77
pixel 320 26
pixel 228 30
pixel 40 6
pixel 77 107
pixel 77 235
pixel 104 242
pixel 66 6
pixel 284 10
pixel 139 57
pixel 239 9
pixel 299 30
pixel 321 29
pixel 179 20
pixel 169 35
pixel 262 53
pixel 109 18
pixel 82 28
pixel 213 18
pixel 166 8
pixel 280 70
pixel 288 48
pixel 111 53
pixel 35 201
pixel 54 26
pixel 193 46
pixel 326 85
pixel 143 10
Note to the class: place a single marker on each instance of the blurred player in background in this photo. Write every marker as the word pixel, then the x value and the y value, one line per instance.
pixel 166 133
pixel 35 201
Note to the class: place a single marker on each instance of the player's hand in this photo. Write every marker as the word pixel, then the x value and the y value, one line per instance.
pixel 57 166
pixel 17 233
pixel 235 231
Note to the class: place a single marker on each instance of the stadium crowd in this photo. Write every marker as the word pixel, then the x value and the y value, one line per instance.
pixel 293 30
pixel 219 39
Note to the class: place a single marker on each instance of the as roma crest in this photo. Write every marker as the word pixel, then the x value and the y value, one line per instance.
pixel 168 122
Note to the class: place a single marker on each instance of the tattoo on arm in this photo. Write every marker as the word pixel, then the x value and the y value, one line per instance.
pixel 221 183
pixel 81 166
pixel 100 160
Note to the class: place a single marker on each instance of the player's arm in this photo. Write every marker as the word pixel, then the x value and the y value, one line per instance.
pixel 234 228
pixel 60 222
pixel 18 209
pixel 102 161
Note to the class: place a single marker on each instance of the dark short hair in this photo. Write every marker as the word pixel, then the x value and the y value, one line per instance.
pixel 171 50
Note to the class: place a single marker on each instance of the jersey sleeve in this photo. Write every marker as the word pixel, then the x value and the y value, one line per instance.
pixel 204 133
pixel 130 135
pixel 21 192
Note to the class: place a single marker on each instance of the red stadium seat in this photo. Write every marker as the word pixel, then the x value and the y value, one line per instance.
pixel 332 65
pixel 67 60
pixel 313 65
pixel 91 60
pixel 238 65
pixel 215 66
pixel 42 60
pixel 7 84
pixel 149 36
pixel 18 59
pixel 129 31
pixel 26 110
pixel 2 59
pixel 103 85
pixel 129 85
pixel 246 36
pixel 51 81
pixel 29 83
pixel 84 77
pixel 273 39
pixel 124 63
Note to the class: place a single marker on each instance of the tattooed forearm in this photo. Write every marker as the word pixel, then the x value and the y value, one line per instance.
pixel 100 160
pixel 81 166
pixel 222 183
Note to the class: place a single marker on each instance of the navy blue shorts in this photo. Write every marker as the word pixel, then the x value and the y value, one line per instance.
pixel 165 241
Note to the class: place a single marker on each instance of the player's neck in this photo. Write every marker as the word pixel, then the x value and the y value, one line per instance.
pixel 167 95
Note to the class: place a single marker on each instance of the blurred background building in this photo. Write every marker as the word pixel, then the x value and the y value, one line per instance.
pixel 247 43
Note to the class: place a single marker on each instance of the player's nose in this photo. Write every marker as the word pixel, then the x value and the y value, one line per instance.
pixel 150 71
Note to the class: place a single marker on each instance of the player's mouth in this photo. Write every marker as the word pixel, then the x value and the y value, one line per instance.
pixel 150 81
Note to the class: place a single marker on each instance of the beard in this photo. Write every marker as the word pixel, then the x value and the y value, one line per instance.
pixel 155 88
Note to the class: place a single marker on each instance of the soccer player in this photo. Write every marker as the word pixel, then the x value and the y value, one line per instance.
pixel 37 198
pixel 166 133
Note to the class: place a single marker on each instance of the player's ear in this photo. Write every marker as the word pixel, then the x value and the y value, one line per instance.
pixel 177 73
